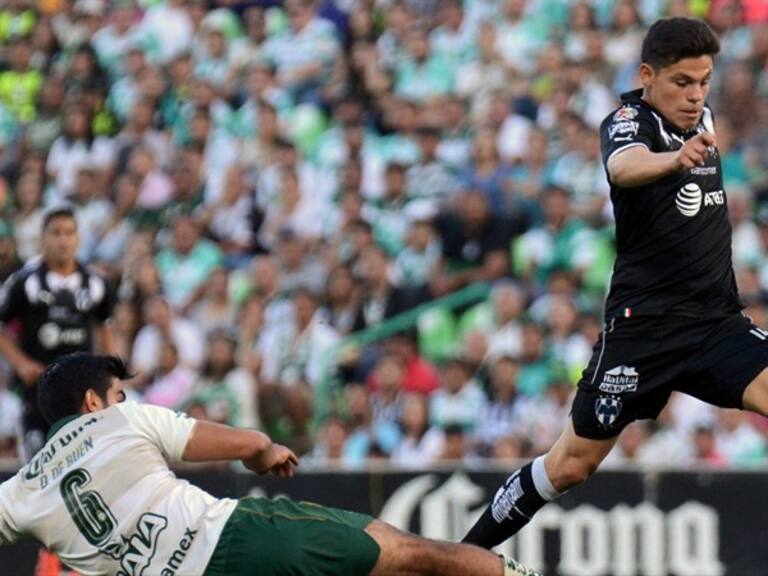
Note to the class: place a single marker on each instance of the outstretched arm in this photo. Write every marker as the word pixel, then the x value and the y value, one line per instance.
pixel 637 166
pixel 210 441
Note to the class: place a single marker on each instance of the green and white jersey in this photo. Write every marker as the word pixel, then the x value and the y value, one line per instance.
pixel 100 495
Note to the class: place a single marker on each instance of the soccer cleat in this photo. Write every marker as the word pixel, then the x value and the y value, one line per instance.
pixel 514 568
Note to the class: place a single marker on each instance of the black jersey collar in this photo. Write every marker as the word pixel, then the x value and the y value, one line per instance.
pixel 636 97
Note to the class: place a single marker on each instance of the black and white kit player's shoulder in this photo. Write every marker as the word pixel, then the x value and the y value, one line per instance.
pixel 55 313
pixel 673 235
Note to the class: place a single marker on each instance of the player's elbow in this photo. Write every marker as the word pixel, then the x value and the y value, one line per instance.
pixel 619 172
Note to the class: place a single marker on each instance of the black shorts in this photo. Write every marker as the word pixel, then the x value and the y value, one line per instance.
pixel 638 362
pixel 34 426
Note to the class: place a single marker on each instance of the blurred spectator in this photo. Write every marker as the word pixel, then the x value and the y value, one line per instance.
pixel 20 84
pixel 168 29
pixel 381 299
pixel 459 401
pixel 227 391
pixel 74 149
pixel 429 179
pixel 535 369
pixel 10 422
pixel 505 414
pixel 628 446
pixel 161 324
pixel 387 400
pixel 562 241
pixel 330 444
pixel 42 131
pixel 737 440
pixel 172 382
pixel 415 264
pixel 305 53
pixel 295 357
pixel 455 447
pixel 342 306
pixel 475 244
pixel 422 74
pixel 487 172
pixel 9 258
pixel 28 214
pixel 187 262
pixel 421 445
pixel 704 442
pixel 214 309
pixel 298 267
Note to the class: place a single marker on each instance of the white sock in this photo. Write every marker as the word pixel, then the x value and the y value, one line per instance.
pixel 541 480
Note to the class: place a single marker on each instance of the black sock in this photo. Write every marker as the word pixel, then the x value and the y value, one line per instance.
pixel 512 507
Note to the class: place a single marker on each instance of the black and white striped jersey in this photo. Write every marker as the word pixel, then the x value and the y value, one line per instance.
pixel 673 236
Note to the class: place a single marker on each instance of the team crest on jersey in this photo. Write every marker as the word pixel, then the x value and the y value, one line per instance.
pixel 620 380
pixel 607 410
pixel 625 113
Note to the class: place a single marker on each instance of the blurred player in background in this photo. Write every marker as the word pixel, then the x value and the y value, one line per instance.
pixel 53 306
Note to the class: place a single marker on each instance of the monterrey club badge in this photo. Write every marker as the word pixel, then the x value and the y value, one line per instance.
pixel 607 409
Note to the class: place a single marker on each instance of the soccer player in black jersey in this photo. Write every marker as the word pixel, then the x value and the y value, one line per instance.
pixel 673 316
pixel 51 307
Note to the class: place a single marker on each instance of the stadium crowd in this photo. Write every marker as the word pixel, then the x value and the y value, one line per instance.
pixel 260 180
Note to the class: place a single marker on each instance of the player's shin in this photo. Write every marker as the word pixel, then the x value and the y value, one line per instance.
pixel 522 495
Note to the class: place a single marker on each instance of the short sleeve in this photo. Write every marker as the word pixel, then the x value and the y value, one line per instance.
pixel 628 127
pixel 9 532
pixel 106 303
pixel 167 429
pixel 13 300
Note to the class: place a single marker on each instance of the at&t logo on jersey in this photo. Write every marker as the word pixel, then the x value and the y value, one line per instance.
pixel 690 198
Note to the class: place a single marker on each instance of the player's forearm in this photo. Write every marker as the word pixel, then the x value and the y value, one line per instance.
pixel 10 351
pixel 210 442
pixel 105 341
pixel 639 166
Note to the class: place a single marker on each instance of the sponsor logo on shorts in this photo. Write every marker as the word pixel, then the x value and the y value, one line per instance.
pixel 607 410
pixel 620 380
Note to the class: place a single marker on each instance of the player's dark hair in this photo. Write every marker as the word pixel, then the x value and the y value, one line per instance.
pixel 62 387
pixel 672 39
pixel 59 212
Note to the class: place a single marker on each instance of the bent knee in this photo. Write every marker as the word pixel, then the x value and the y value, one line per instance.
pixel 571 471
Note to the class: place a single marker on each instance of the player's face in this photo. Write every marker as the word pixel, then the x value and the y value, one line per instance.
pixel 60 240
pixel 116 393
pixel 680 90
